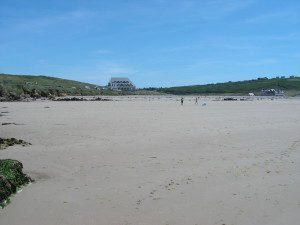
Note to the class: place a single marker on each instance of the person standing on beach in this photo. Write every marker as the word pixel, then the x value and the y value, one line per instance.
pixel 181 101
pixel 196 100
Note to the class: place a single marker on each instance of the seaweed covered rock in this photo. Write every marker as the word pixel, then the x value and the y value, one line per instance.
pixel 11 178
pixel 6 142
pixel 73 99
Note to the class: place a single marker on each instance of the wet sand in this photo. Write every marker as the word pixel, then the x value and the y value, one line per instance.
pixel 144 161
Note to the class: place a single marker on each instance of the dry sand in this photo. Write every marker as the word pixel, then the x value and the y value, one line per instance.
pixel 150 161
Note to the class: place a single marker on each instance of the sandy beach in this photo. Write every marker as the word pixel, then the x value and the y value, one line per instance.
pixel 150 161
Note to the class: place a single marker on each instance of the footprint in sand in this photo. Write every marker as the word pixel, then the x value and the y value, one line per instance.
pixel 294 145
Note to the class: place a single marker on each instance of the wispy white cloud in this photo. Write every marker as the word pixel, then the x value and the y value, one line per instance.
pixel 284 37
pixel 275 16
pixel 66 18
pixel 217 9
pixel 170 15
pixel 181 48
pixel 211 9
pixel 42 61
pixel 215 45
pixel 151 14
pixel 98 72
pixel 103 51
pixel 111 68
pixel 296 55
pixel 215 63
pixel 261 62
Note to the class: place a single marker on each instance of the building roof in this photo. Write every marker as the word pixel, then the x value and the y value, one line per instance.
pixel 119 79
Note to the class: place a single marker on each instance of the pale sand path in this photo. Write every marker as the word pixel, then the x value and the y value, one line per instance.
pixel 156 163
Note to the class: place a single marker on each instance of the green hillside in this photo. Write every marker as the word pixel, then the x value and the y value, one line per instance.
pixel 290 85
pixel 44 86
pixel 12 87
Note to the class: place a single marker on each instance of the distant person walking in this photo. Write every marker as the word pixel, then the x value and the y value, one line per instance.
pixel 181 101
pixel 196 100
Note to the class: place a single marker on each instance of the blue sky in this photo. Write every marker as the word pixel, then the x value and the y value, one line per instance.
pixel 154 42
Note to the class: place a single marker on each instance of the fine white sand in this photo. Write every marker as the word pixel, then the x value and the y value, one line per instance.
pixel 142 161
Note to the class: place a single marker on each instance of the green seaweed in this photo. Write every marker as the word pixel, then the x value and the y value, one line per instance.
pixel 11 179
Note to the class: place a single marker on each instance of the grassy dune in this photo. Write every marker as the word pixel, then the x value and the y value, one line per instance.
pixel 291 86
pixel 44 86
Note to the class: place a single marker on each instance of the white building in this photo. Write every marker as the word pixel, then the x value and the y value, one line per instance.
pixel 121 84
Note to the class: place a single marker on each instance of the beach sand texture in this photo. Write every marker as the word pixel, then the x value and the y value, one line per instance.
pixel 153 162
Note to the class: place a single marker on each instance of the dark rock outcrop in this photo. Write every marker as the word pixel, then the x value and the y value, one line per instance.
pixel 230 99
pixel 74 99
